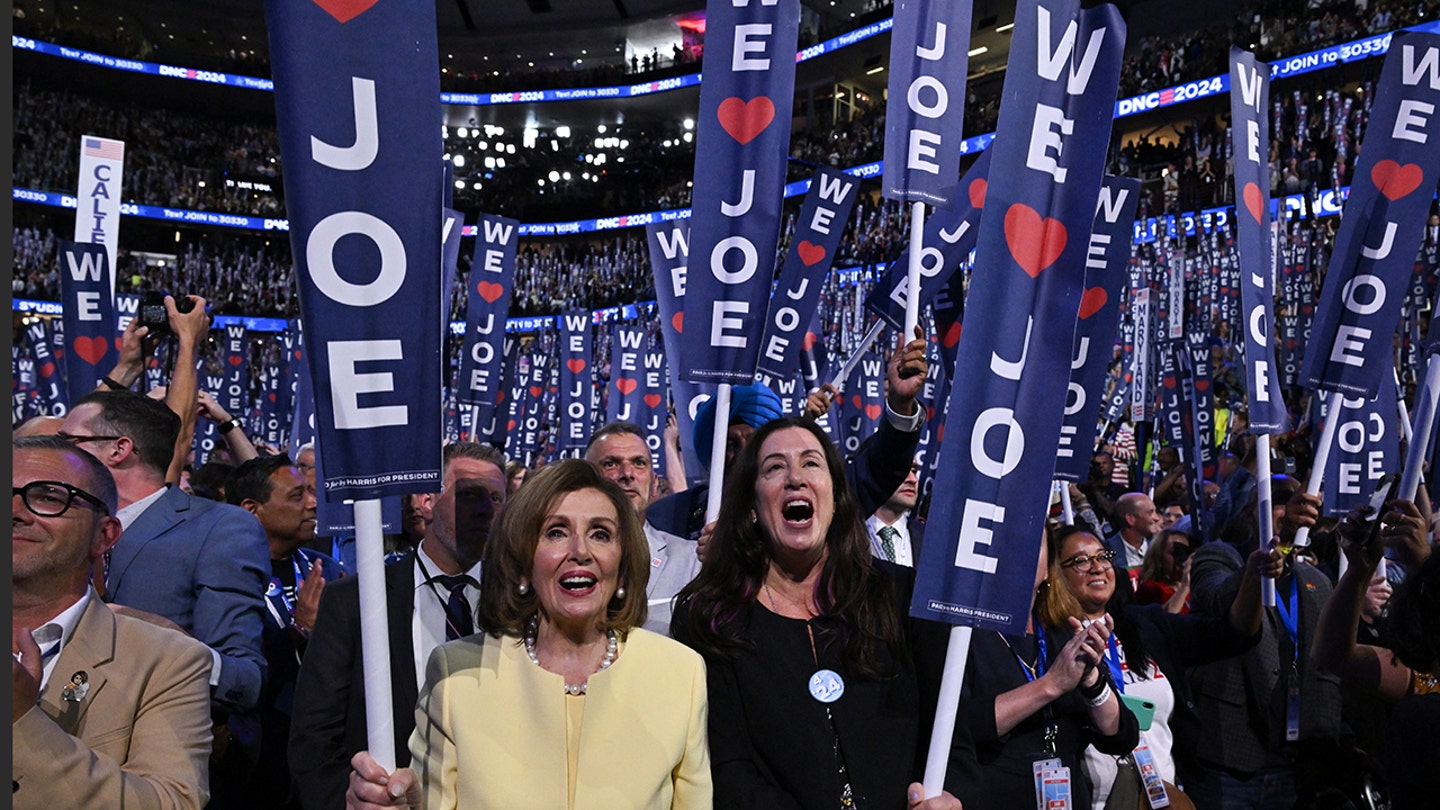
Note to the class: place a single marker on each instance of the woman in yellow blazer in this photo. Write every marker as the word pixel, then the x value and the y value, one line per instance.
pixel 566 702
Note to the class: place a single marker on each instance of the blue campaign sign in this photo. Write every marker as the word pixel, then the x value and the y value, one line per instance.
pixel 669 258
pixel 1367 447
pixel 357 98
pixel 925 106
pixel 576 381
pixel 1249 108
pixel 48 380
pixel 626 395
pixel 1107 263
pixel 492 278
pixel 812 251
pixel 1374 253
pixel 742 140
pixel 949 236
pixel 992 491
pixel 89 316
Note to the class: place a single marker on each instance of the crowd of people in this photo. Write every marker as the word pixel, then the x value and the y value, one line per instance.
pixel 530 614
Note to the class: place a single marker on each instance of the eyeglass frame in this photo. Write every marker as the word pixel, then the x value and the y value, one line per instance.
pixel 1107 556
pixel 71 491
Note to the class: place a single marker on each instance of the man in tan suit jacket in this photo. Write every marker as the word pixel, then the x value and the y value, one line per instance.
pixel 108 710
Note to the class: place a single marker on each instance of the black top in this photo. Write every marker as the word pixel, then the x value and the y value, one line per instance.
pixel 772 744
pixel 1004 779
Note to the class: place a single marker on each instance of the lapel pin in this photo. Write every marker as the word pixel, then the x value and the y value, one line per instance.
pixel 77 688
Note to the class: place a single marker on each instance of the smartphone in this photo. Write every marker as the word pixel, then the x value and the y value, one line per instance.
pixel 1144 710
pixel 1384 491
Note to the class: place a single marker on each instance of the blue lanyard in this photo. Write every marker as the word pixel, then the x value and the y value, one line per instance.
pixel 1039 670
pixel 1117 674
pixel 1290 614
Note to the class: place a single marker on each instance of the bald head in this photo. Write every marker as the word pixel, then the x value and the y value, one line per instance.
pixel 1137 516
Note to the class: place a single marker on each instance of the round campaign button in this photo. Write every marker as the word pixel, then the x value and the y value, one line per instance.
pixel 827 686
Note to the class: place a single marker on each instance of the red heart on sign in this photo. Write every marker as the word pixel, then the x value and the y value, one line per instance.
pixel 678 322
pixel 872 411
pixel 978 187
pixel 499 397
pixel 1394 180
pixel 345 10
pixel 1253 200
pixel 625 384
pixel 272 397
pixel 297 354
pixel 1168 382
pixel 952 336
pixel 1202 385
pixel 745 119
pixel 855 400
pixel 47 369
pixel 536 391
pixel 1035 242
pixel 809 342
pixel 576 365
pixel 510 425
pixel 91 349
pixel 235 359
pixel 652 400
pixel 1092 301
pixel 490 291
pixel 809 254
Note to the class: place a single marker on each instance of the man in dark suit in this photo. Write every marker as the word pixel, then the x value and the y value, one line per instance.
pixel 423 611
pixel 274 490
pixel 1270 710
pixel 201 564
pixel 894 531
pixel 107 710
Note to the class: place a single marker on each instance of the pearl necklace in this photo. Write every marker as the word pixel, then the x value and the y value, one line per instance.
pixel 612 646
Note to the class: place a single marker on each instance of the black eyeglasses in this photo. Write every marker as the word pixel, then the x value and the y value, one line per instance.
pixel 53 498
pixel 1085 562
pixel 70 437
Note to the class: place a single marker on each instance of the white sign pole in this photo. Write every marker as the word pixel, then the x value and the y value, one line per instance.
pixel 374 633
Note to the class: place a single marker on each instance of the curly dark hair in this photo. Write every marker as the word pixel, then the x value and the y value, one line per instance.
pixel 851 593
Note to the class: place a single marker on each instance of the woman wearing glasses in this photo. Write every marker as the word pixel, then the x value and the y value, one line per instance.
pixel 1144 659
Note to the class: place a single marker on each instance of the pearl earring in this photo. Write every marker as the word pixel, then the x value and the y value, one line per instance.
pixel 523 589
pixel 620 592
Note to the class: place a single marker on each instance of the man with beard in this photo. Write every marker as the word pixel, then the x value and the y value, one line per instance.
pixel 431 595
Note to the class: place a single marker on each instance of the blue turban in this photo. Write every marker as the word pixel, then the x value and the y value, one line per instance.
pixel 754 404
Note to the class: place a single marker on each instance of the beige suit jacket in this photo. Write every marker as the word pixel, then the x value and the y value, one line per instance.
pixel 140 735
pixel 492 730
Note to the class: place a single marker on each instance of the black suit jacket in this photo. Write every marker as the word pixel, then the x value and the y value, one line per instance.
pixel 1233 696
pixel 328 724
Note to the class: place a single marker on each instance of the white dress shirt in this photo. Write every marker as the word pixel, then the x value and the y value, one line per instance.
pixel 903 554
pixel 427 619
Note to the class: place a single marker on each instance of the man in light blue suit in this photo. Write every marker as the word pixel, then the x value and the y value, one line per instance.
pixel 201 564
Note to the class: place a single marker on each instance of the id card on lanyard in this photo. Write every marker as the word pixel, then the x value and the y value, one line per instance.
pixel 1144 761
pixel 1290 617
pixel 1052 777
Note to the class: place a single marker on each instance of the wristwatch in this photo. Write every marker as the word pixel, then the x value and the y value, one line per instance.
pixel 229 425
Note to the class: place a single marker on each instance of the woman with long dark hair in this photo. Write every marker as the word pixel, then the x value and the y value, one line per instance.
pixel 813 694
